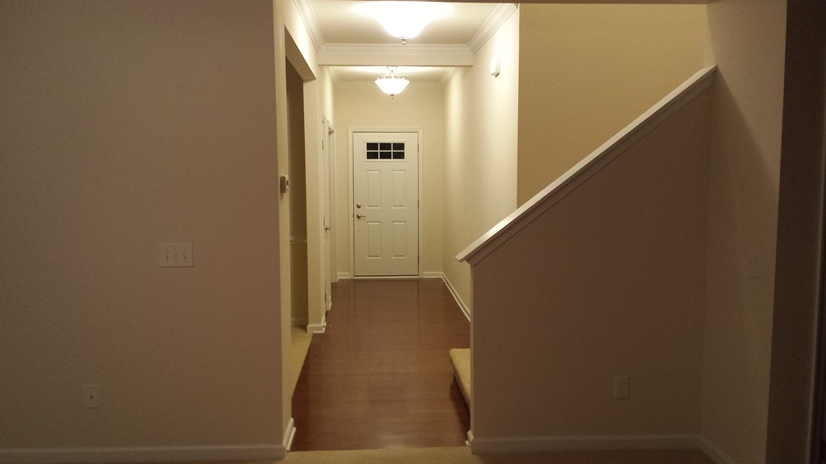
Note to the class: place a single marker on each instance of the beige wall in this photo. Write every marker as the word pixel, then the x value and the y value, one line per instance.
pixel 746 41
pixel 480 157
pixel 418 107
pixel 119 134
pixel 586 71
pixel 609 282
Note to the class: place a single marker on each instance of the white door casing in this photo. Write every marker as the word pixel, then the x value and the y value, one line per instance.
pixel 385 204
pixel 328 185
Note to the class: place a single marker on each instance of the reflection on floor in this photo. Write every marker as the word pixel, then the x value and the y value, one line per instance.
pixel 380 377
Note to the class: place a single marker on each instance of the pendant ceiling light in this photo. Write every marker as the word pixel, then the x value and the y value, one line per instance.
pixel 391 83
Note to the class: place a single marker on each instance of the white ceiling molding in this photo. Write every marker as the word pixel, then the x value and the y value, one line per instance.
pixel 305 10
pixel 333 73
pixel 448 76
pixel 394 55
pixel 493 23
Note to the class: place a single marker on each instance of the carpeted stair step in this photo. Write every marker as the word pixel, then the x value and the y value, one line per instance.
pixel 460 358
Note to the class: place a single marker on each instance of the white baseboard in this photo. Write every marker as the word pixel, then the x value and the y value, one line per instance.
pixel 318 328
pixel 462 305
pixel 289 435
pixel 345 275
pixel 714 452
pixel 142 454
pixel 433 275
pixel 495 445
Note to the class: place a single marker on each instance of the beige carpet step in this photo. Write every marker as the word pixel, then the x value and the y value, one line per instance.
pixel 460 358
pixel 461 455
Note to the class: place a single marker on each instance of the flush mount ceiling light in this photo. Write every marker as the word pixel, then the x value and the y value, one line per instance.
pixel 391 83
pixel 405 20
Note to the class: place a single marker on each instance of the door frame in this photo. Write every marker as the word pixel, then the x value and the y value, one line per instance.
pixel 351 186
pixel 327 183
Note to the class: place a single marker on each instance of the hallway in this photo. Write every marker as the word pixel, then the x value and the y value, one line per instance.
pixel 380 376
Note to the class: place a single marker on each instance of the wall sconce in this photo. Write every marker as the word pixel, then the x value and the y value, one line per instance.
pixel 494 66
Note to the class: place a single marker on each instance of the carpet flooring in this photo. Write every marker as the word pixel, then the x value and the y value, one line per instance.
pixel 461 455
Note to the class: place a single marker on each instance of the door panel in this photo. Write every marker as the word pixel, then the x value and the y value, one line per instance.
pixel 386 198
pixel 399 189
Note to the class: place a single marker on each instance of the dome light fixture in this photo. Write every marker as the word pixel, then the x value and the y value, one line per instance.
pixel 391 83
pixel 406 19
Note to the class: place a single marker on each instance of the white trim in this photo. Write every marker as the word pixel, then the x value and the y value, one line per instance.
pixel 143 454
pixel 388 277
pixel 584 442
pixel 496 19
pixel 308 18
pixel 344 276
pixel 289 435
pixel 465 309
pixel 398 55
pixel 589 166
pixel 317 328
pixel 469 440
pixel 448 76
pixel 714 452
pixel 433 275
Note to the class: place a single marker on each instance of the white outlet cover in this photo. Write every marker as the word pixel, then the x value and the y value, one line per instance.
pixel 622 387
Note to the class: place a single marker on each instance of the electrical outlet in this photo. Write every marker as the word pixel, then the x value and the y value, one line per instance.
pixel 91 396
pixel 175 254
pixel 622 385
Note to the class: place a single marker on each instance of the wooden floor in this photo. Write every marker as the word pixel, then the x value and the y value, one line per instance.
pixel 380 376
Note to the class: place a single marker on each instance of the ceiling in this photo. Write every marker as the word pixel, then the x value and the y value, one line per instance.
pixel 359 49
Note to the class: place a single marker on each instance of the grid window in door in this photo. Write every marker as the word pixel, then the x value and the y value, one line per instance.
pixel 385 150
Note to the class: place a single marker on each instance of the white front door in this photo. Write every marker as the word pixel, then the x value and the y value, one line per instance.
pixel 386 203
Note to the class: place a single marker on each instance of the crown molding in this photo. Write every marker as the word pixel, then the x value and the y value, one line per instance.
pixel 502 12
pixel 408 55
pixel 394 55
pixel 448 76
pixel 305 10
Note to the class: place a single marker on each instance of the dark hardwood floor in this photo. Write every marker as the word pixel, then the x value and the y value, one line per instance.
pixel 380 376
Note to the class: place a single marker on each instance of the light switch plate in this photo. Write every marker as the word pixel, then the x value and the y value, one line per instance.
pixel 175 254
